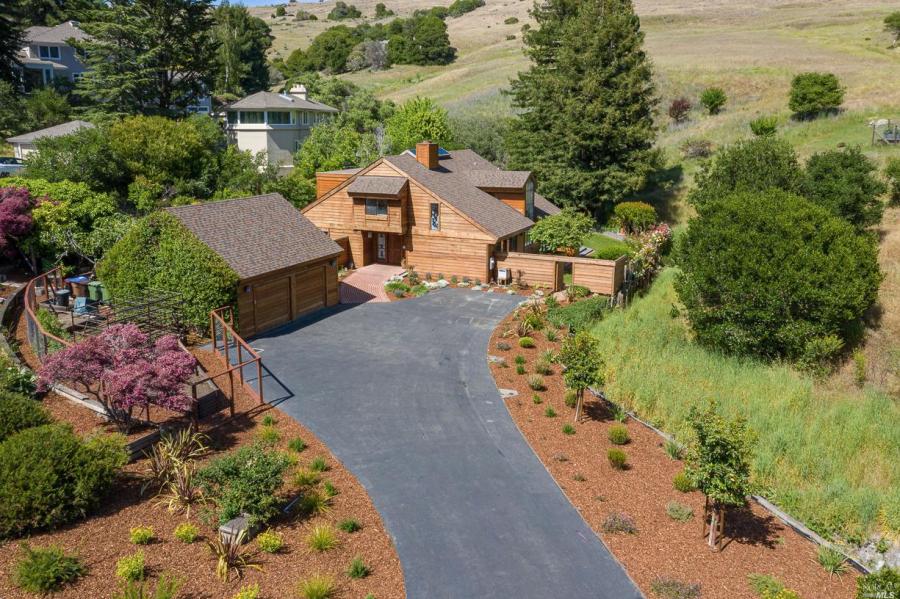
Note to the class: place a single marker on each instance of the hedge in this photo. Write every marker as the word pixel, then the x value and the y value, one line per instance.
pixel 160 253
pixel 18 412
pixel 49 476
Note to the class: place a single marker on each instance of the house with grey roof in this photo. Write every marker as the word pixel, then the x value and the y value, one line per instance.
pixel 24 144
pixel 286 266
pixel 275 124
pixel 437 211
pixel 47 55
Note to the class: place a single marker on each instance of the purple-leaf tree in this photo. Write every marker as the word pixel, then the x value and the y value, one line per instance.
pixel 125 371
pixel 16 223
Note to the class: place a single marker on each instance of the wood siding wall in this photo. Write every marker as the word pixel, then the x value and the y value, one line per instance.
pixel 325 182
pixel 600 276
pixel 394 222
pixel 513 199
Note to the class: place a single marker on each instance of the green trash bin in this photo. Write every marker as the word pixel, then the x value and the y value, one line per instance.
pixel 104 293
pixel 94 290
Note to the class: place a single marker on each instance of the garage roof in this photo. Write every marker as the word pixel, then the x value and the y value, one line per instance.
pixel 257 235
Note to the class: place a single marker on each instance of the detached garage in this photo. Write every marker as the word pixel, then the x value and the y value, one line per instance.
pixel 286 267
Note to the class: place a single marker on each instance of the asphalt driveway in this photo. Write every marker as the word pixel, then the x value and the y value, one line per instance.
pixel 402 395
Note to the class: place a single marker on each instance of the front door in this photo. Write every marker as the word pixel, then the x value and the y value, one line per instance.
pixel 381 248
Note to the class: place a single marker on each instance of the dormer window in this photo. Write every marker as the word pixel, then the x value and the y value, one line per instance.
pixel 376 208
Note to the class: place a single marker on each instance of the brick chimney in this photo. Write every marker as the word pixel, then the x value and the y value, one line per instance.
pixel 427 154
pixel 299 91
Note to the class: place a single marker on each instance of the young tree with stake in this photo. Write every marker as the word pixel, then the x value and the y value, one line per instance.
pixel 583 366
pixel 719 466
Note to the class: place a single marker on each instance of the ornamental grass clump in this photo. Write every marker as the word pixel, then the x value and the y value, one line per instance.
pixel 349 525
pixel 617 459
pixel 358 568
pixel 318 586
pixel 322 538
pixel 536 382
pixel 618 435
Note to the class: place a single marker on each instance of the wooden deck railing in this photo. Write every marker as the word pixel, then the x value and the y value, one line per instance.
pixel 39 290
pixel 226 342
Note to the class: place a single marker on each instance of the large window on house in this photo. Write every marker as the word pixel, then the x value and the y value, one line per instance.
pixel 253 117
pixel 529 199
pixel 435 217
pixel 48 51
pixel 280 118
pixel 232 118
pixel 305 117
pixel 376 208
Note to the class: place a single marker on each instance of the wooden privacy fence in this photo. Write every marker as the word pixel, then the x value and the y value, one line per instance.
pixel 342 260
pixel 600 276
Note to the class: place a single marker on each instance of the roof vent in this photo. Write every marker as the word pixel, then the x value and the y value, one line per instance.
pixel 299 91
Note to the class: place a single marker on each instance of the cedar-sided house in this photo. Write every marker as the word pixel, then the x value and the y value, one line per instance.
pixel 440 212
pixel 285 265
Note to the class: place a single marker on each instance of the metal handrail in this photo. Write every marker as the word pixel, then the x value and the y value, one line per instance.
pixel 37 336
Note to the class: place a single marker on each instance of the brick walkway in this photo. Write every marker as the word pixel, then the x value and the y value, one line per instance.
pixel 367 284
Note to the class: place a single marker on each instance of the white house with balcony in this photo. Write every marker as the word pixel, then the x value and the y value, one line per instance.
pixel 276 124
pixel 47 55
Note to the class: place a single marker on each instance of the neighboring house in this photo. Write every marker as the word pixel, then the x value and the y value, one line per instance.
pixel 440 212
pixel 24 144
pixel 276 124
pixel 287 267
pixel 48 56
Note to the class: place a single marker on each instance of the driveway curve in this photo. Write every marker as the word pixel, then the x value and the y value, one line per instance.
pixel 402 395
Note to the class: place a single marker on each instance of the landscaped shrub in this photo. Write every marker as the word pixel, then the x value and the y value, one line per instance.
pixel 813 94
pixel 537 399
pixel 550 412
pixel 297 444
pixel 782 594
pixel 318 464
pixel 634 217
pixel 316 587
pixel 186 532
pixel 329 489
pixel 231 556
pixel 534 320
pixel 673 450
pixel 551 335
pixel 167 587
pixel 250 591
pixel 568 429
pixel 617 459
pixel 618 523
pixel 358 568
pixel 713 99
pixel 526 342
pixel 520 360
pixel 562 233
pixel 683 483
pixel 579 316
pixel 49 476
pixel 160 253
pixel 314 503
pixel 826 279
pixel 268 435
pixel 536 382
pixel 270 541
pixel 18 412
pixel 306 478
pixel 322 538
pixel 764 583
pixel 46 569
pixel 679 511
pixel 618 413
pixel 503 346
pixel 882 583
pixel 349 525
pixel 764 126
pixel 141 535
pixel 831 560
pixel 669 588
pixel 394 286
pixel 570 398
pixel 245 481
pixel 618 435
pixel 131 567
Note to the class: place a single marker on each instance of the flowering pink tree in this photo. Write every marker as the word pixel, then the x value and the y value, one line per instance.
pixel 125 371
pixel 16 222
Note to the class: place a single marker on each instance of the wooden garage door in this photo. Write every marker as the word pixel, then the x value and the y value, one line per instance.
pixel 272 305
pixel 309 290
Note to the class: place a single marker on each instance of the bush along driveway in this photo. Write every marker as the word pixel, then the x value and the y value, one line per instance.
pixel 402 394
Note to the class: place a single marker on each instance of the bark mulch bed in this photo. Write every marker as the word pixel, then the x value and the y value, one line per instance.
pixel 103 537
pixel 756 542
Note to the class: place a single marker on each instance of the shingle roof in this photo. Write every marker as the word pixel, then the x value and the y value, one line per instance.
pixel 544 207
pixel 58 34
pixel 267 100
pixel 386 186
pixel 456 189
pixel 55 131
pixel 257 235
pixel 497 179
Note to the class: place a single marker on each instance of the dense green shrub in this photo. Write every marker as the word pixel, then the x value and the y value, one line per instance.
pixel 130 568
pixel 382 11
pixel 764 126
pixel 460 7
pixel 563 232
pixel 18 412
pixel 342 11
pixel 141 535
pixel 160 253
pixel 49 476
pixel 813 94
pixel 634 217
pixel 683 483
pixel 767 273
pixel 846 182
pixel 579 316
pixel 245 481
pixel 46 569
pixel 15 378
pixel 526 342
pixel 757 164
pixel 186 532
pixel 713 99
pixel 270 541
pixel 892 173
pixel 883 583
pixel 420 40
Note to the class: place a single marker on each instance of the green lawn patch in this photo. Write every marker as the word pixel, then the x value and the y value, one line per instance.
pixel 831 459
pixel 607 248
